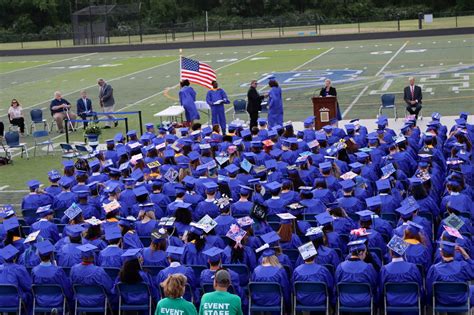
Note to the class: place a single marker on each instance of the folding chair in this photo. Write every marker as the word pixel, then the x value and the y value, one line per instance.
pixel 36 116
pixel 388 101
pixel 12 138
pixel 265 288
pixel 310 288
pixel 354 289
pixel 130 289
pixel 450 289
pixel 112 272
pixel 209 287
pixel 4 148
pixel 82 149
pixel 68 151
pixel 41 138
pixel 90 291
pixel 240 107
pixel 10 293
pixel 242 270
pixel 403 290
pixel 331 268
pixel 45 290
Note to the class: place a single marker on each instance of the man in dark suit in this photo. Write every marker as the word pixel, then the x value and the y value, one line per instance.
pixel 412 96
pixel 107 101
pixel 254 104
pixel 84 106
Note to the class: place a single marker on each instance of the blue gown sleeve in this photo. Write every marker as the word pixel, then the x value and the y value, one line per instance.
pixel 285 285
pixel 105 281
pixel 209 98
pixel 224 96
pixel 24 279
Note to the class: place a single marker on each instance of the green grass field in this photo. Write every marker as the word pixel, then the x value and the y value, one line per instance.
pixel 146 81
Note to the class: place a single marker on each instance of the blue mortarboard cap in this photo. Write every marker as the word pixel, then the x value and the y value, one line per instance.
pixel 214 254
pixel 128 221
pixel 44 247
pixel 118 137
pixel 210 186
pixel 149 125
pixel 193 156
pixel 183 205
pixel 256 144
pixel 262 121
pixel 382 184
pixel 232 169
pixel 111 187
pixel 137 174
pixel 271 164
pixel 268 253
pixel 325 166
pixel 68 163
pixel 94 163
pixel 324 218
pixel 114 171
pixel 175 252
pixel 75 230
pixel 245 133
pixel 373 202
pixel 122 151
pixel 112 232
pixel 464 115
pixel 245 190
pixel 33 184
pixel 168 153
pixel 356 245
pixel 132 253
pixel 8 252
pixel 189 181
pixel 44 211
pixel 327 128
pixel 356 165
pixel 110 141
pixel 365 215
pixel 321 136
pixel 66 182
pixel 270 237
pixel 129 181
pixel 140 190
pixel 349 127
pixel 436 116
pixel 87 250
pixel 206 131
pixel 53 175
pixel 447 247
pixel 414 227
pixel 405 211
pixel 347 185
pixel 276 153
pixel 124 166
pixel 456 204
pixel 274 186
pixel 10 224
pixel 309 121
pixel 132 133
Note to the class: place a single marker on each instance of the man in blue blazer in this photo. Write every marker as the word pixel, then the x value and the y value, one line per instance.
pixel 84 106
pixel 412 96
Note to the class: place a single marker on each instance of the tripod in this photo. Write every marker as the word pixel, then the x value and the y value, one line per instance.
pixel 69 120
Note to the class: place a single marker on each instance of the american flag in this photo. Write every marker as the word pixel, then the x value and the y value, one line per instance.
pixel 197 72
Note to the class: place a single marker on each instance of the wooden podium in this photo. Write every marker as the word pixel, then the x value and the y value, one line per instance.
pixel 324 109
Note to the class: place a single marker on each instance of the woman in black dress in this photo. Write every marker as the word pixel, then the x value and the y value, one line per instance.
pixel 328 90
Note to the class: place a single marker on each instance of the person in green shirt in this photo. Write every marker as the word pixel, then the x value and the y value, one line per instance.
pixel 221 302
pixel 174 304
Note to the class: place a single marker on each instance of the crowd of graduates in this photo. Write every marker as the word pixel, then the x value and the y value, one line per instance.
pixel 332 205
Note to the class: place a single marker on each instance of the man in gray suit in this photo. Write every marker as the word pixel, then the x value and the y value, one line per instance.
pixel 107 101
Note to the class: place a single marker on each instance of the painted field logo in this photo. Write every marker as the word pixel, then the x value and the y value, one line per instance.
pixel 309 79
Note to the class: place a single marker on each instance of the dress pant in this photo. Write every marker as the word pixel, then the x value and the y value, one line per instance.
pixel 107 109
pixel 253 119
pixel 20 122
pixel 414 109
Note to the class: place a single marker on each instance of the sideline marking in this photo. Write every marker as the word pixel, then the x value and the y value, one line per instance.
pixel 354 101
pixel 313 59
pixel 391 59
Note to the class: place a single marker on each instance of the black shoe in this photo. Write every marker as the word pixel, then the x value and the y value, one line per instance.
pixel 106 127
pixel 115 123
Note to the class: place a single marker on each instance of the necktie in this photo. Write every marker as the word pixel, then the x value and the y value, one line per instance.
pixel 412 92
pixel 85 103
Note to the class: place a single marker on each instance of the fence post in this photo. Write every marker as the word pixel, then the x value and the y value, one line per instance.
pixel 316 25
pixel 420 20
pixel 279 30
pixel 204 34
pixel 220 35
pixel 140 121
pixel 242 30
pixel 129 39
pixel 21 40
pixel 319 25
pixel 251 30
pixel 173 34
pixel 126 126
pixel 358 23
pixel 66 130
pixel 282 28
pixel 192 29
pixel 398 22
pixel 456 17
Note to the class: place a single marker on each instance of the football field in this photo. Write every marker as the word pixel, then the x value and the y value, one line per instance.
pixel 360 70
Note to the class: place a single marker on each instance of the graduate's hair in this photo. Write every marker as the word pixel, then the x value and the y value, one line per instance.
pixel 254 131
pixel 183 215
pixel 159 245
pixel 338 212
pixel 122 159
pixel 295 179
pixel 272 83
pixel 285 232
pixel 370 260
pixel 196 126
pixel 68 171
pixel 174 286
pixel 185 82
pixel 130 272
pixel 199 241
pixel 365 224
pixel 320 241
pixel 93 232
pixel 142 198
pixel 272 260
pixel 17 232
pixel 110 146
pixel 418 192
pixel 237 253
pixel 216 128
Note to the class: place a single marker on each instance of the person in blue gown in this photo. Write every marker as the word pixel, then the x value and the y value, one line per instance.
pixel 194 247
pixel 69 254
pixel 275 104
pixel 356 270
pixel 326 255
pixel 130 238
pixel 155 255
pixel 132 273
pixel 147 220
pixel 111 256
pixel 187 99
pixel 34 199
pixel 418 252
pixel 216 98
pixel 400 271
pixel 93 234
pixel 16 275
pixel 86 273
pixel 47 228
pixel 271 271
pixel 451 270
pixel 54 188
pixel 242 207
pixel 48 273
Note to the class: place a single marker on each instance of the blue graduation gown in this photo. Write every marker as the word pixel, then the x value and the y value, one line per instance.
pixel 131 240
pixel 89 274
pixel 32 201
pixel 275 107
pixel 400 272
pixel 271 274
pixel 276 205
pixel 249 257
pixel 350 204
pixel 110 257
pixel 314 273
pixel 343 225
pixel 223 224
pixel 187 97
pixel 205 207
pixel 51 274
pixel 192 256
pixel 69 255
pixel 139 297
pixel 187 271
pixel 326 256
pixel 419 254
pixel 294 242
pixel 161 200
pixel 241 208
pixel 48 230
pixel 145 229
pixel 53 190
pixel 355 270
pixel 29 258
pixel 98 242
pixel 18 276
pixel 154 258
pixel 217 110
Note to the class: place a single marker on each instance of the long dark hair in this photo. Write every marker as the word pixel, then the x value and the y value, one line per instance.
pixel 237 253
pixel 130 272
pixel 198 241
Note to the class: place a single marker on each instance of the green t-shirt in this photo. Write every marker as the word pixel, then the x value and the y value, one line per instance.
pixel 220 303
pixel 179 306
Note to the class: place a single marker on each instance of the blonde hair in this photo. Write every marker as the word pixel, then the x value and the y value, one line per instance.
pixel 175 285
pixel 272 260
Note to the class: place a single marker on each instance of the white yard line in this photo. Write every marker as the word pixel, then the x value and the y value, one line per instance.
pixel 313 59
pixel 90 86
pixel 391 59
pixel 354 101
pixel 49 63
pixel 4 187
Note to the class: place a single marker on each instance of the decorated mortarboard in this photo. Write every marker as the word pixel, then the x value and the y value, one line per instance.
pixel 260 169
pixel 373 202
pixel 33 184
pixel 356 245
pixel 245 221
pixel 140 190
pixel 387 170
pixel 93 221
pixel 286 217
pixel 360 232
pixel 313 144
pixel 124 166
pixel 158 234
pixel 382 184
pixel 447 247
pixel 365 215
pixel 324 218
pixel 127 221
pixel 206 224
pixel 398 245
pixel 262 248
pixel 307 250
pixel 32 237
pixel 54 174
pixel 111 206
pixel 246 165
pixel 6 210
pixel 222 159
pixel 453 232
pixel 270 237
pixel 153 164
pixel 8 252
pixel 223 202
pixel 171 175
pixel 349 175
pixel 73 211
pixel 166 221
pixel 454 221
pixel 11 223
pixel 75 230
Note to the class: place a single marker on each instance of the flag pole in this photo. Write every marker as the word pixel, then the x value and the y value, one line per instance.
pixel 180 60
